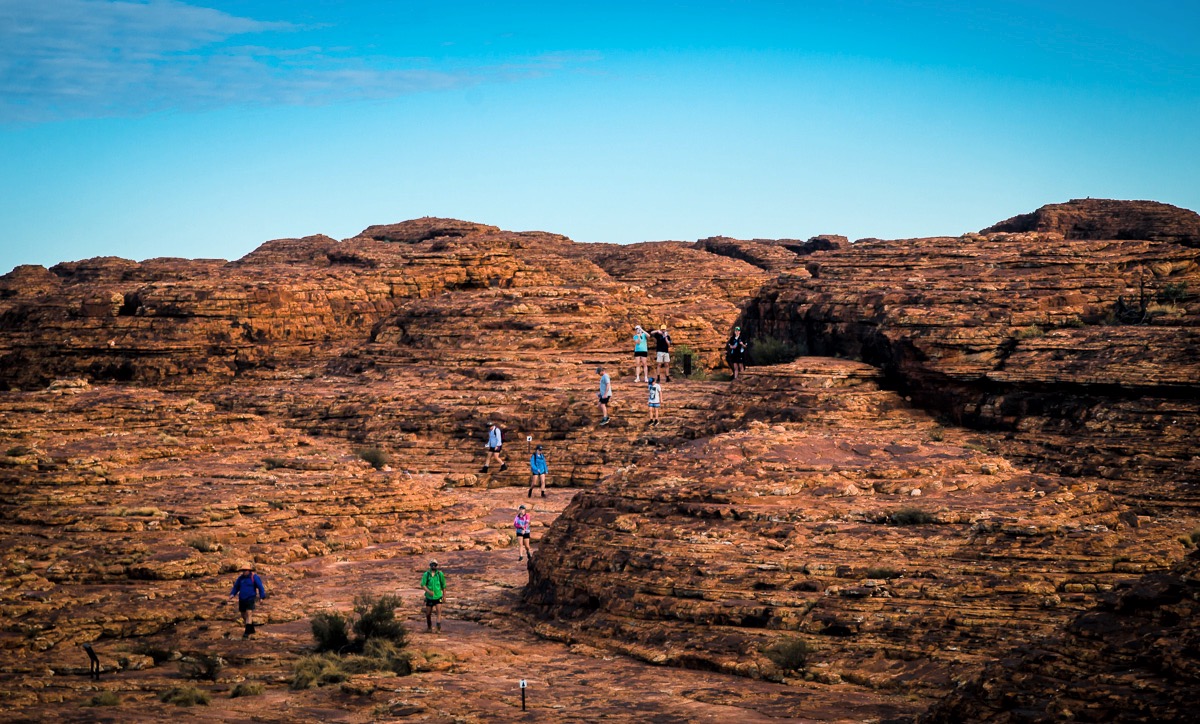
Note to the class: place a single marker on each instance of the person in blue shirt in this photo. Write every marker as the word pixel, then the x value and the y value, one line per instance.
pixel 494 444
pixel 640 352
pixel 537 470
pixel 604 395
pixel 248 588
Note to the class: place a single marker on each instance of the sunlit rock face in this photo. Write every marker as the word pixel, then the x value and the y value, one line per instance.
pixel 963 452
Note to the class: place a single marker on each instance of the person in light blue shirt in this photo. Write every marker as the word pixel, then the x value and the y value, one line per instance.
pixel 537 470
pixel 640 353
pixel 604 395
pixel 495 444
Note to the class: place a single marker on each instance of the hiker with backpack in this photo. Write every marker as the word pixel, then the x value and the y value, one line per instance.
pixel 537 470
pixel 495 443
pixel 248 588
pixel 434 583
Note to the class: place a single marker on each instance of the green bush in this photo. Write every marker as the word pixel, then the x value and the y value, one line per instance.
pixel 331 631
pixel 387 656
pixel 185 696
pixel 1196 536
pixel 318 670
pixel 247 688
pixel 377 620
pixel 1031 332
pixel 772 351
pixel 373 455
pixel 105 698
pixel 1173 293
pixel 937 433
pixel 910 516
pixel 790 654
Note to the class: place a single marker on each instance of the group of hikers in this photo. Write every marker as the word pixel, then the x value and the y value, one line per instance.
pixel 248 587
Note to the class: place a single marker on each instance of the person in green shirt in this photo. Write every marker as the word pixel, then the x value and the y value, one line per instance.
pixel 434 583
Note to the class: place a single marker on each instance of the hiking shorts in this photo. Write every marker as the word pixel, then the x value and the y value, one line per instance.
pixel 522 535
pixel 664 357
pixel 495 449
pixel 655 405
pixel 641 353
pixel 431 602
pixel 604 400
pixel 246 604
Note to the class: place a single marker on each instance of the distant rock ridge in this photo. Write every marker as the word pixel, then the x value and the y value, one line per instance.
pixel 1108 219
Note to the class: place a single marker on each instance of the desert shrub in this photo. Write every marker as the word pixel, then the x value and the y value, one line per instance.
pixel 790 654
pixel 910 516
pixel 1173 293
pixel 18 451
pixel 247 688
pixel 1195 536
pixel 330 629
pixel 937 433
pixel 1031 332
pixel 204 544
pixel 105 698
pixel 888 573
pixel 387 656
pixel 373 455
pixel 202 665
pixel 1186 541
pixel 318 670
pixel 185 696
pixel 772 351
pixel 1072 322
pixel 272 462
pixel 377 619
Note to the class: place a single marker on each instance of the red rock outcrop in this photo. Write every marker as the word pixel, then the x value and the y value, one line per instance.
pixel 1109 219
pixel 1006 449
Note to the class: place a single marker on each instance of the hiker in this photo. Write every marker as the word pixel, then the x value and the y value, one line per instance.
pixel 604 395
pixel 494 444
pixel 248 588
pixel 537 470
pixel 640 352
pixel 735 353
pixel 434 583
pixel 523 523
pixel 662 353
pixel 655 391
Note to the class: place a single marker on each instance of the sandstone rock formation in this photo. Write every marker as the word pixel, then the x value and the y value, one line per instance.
pixel 1109 219
pixel 978 455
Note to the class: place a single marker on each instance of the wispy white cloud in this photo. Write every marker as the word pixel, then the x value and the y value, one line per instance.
pixel 62 59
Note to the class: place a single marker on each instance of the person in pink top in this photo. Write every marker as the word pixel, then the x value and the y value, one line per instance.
pixel 523 523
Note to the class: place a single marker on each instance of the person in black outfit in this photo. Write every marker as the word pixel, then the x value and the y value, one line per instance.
pixel 735 352
pixel 662 349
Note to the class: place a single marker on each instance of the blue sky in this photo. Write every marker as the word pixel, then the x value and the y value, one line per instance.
pixel 166 128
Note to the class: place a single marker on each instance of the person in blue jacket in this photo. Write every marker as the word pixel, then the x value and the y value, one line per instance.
pixel 248 588
pixel 537 470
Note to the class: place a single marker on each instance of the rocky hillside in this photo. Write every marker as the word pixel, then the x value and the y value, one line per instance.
pixel 964 451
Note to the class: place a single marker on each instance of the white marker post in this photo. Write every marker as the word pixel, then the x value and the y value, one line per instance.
pixel 522 695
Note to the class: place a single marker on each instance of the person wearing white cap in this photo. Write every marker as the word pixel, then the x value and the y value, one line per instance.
pixel 434 583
